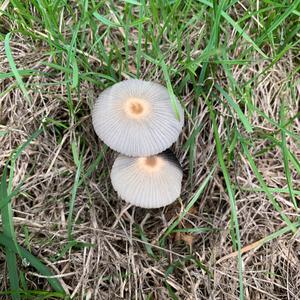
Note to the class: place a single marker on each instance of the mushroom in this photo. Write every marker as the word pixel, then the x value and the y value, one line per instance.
pixel 148 182
pixel 136 118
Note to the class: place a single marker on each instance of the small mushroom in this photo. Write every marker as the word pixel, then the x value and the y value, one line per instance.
pixel 149 182
pixel 136 118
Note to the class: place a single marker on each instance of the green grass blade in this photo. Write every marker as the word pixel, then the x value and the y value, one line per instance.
pixel 78 163
pixel 264 185
pixel 21 72
pixel 36 263
pixel 105 21
pixel 14 67
pixel 3 133
pixel 17 153
pixel 213 43
pixel 196 230
pixel 237 28
pixel 133 2
pixel 139 45
pixel 271 121
pixel 285 155
pixel 273 190
pixel 231 196
pixel 6 195
pixel 147 245
pixel 189 205
pixel 278 21
pixel 75 78
pixel 279 232
pixel 93 166
pixel 237 109
pixel 11 195
pixel 295 161
pixel 38 295
pixel 11 261
pixel 8 229
pixel 169 87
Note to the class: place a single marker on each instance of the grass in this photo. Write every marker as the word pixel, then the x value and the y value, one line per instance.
pixel 8 237
pixel 8 230
pixel 14 67
pixel 232 199
pixel 234 67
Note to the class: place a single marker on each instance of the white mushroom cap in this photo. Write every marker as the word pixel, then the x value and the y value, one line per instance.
pixel 148 182
pixel 136 118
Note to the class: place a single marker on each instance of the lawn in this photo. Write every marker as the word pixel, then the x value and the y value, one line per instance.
pixel 233 233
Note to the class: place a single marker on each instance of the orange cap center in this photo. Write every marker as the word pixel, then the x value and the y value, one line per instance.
pixel 151 163
pixel 136 108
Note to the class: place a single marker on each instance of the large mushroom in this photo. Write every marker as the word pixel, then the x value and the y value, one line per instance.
pixel 149 182
pixel 136 118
